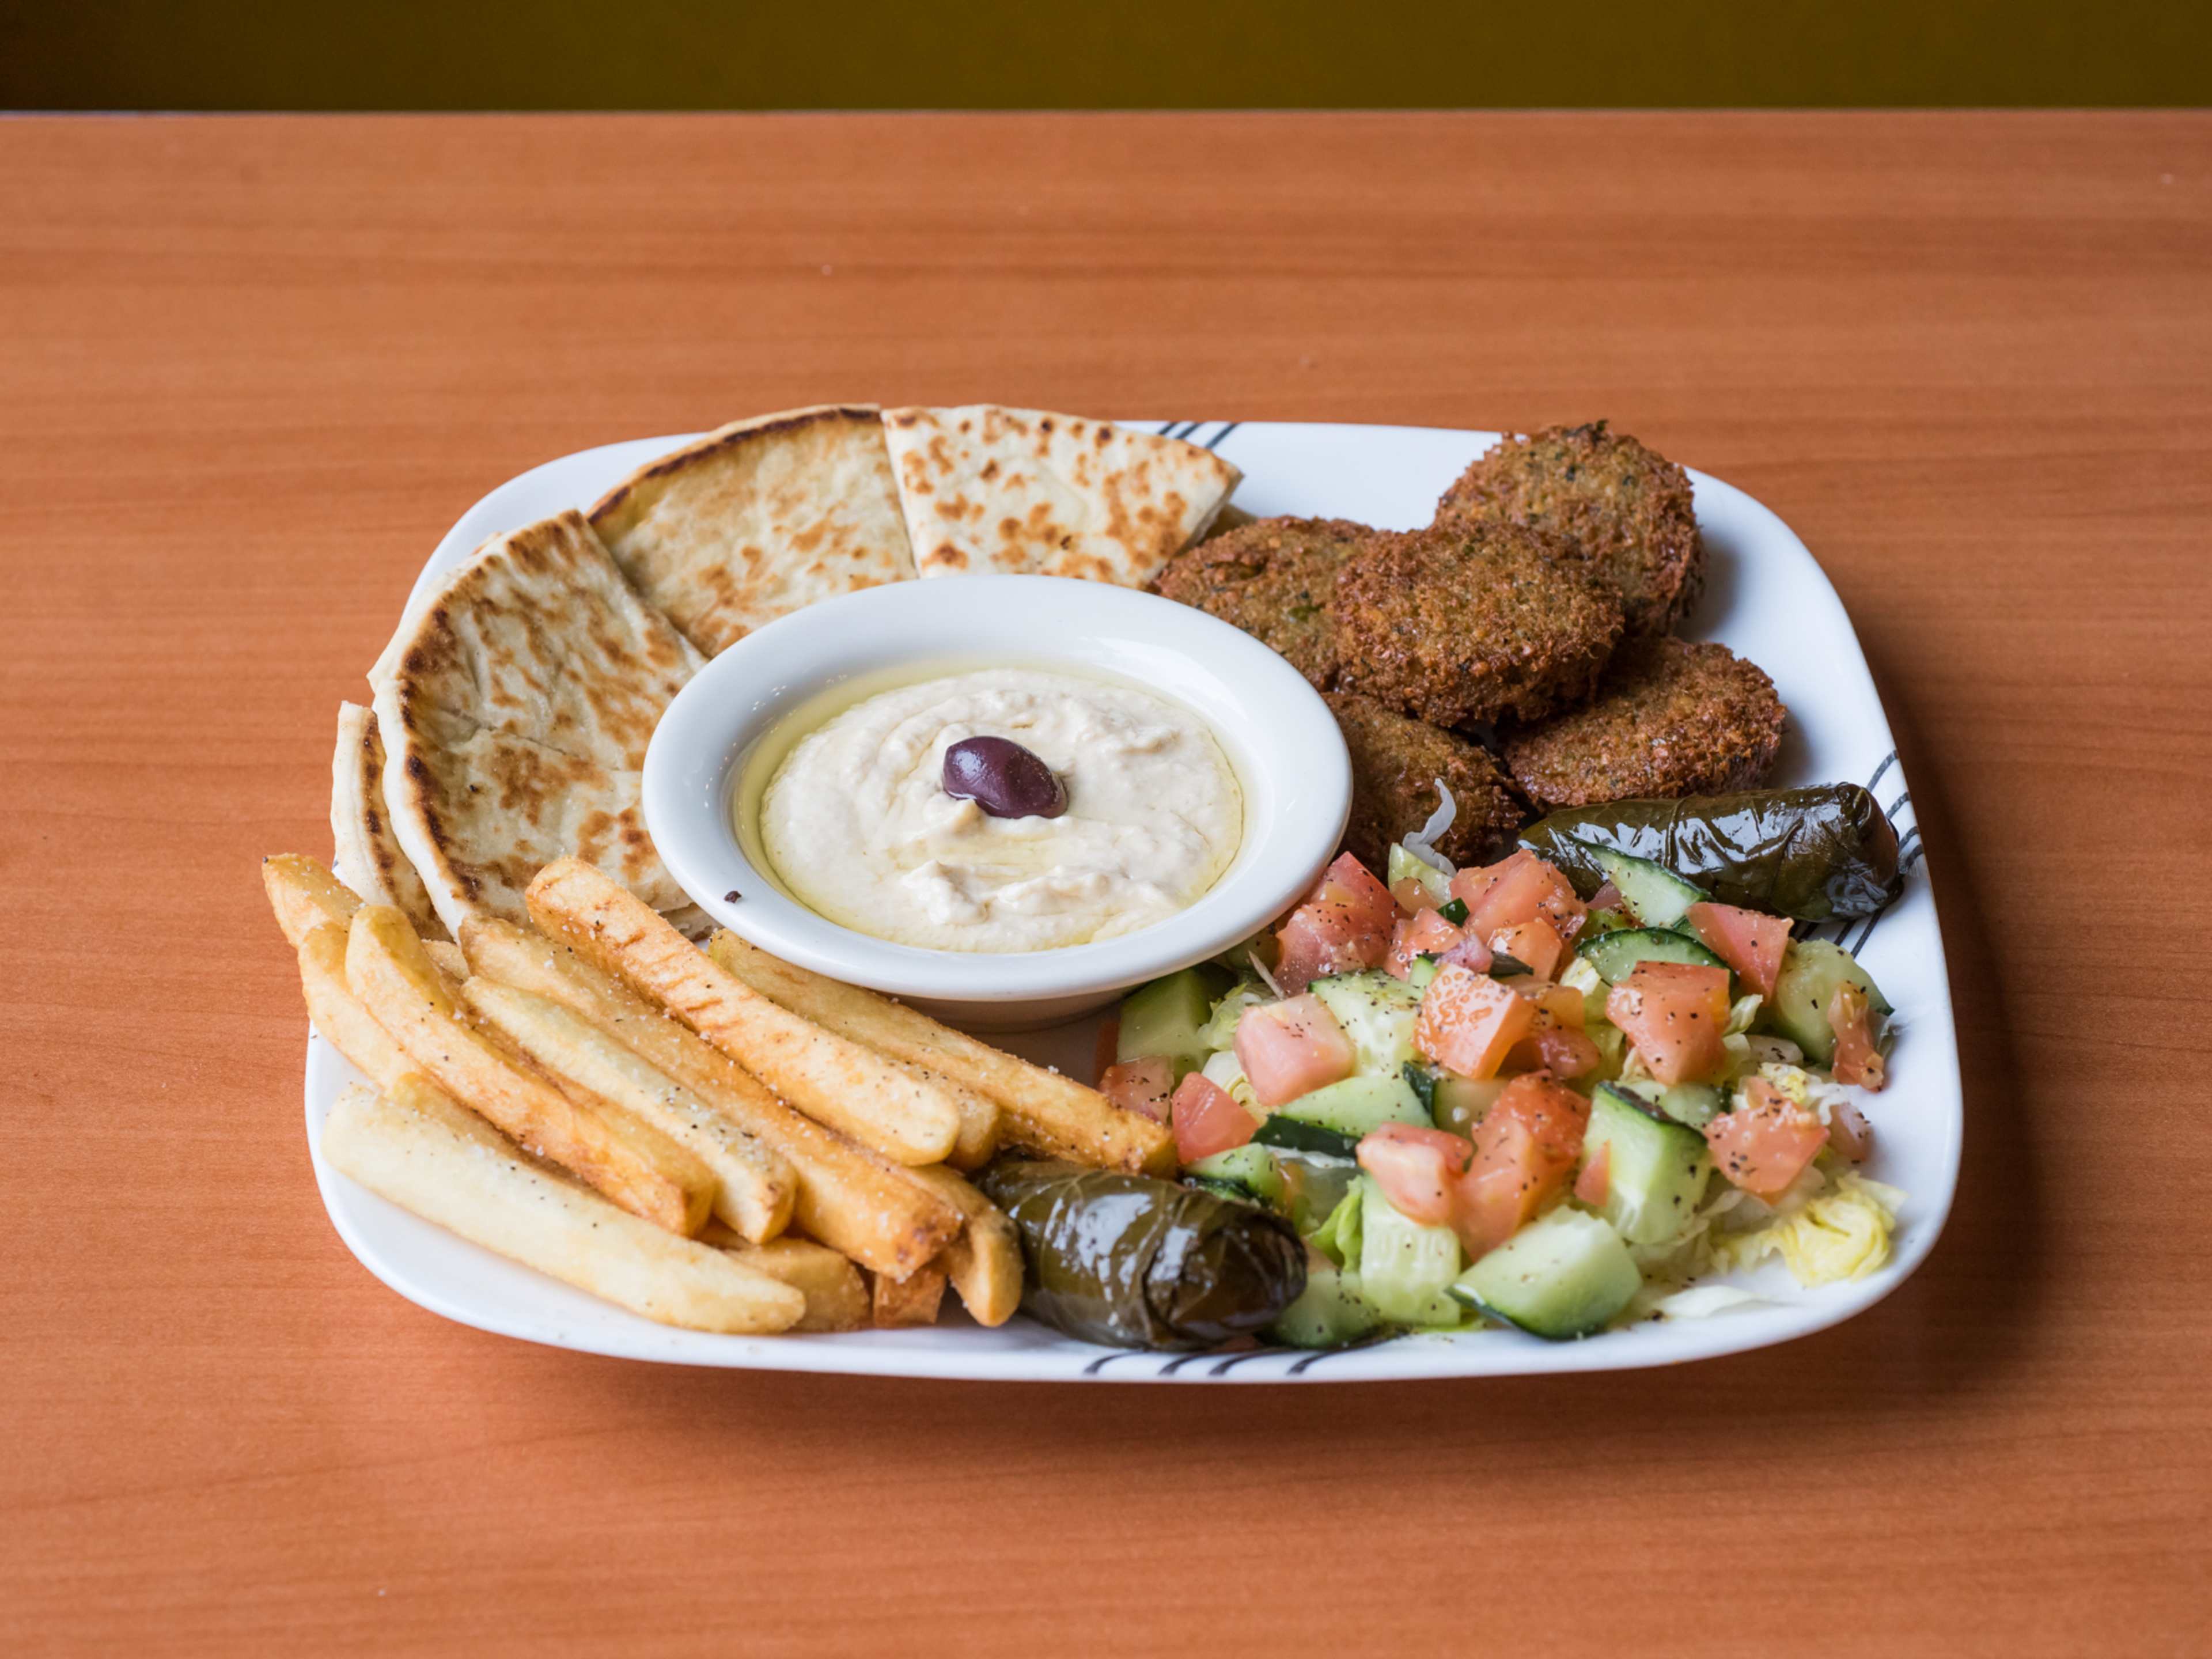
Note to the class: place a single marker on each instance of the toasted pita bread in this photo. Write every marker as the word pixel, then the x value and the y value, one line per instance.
pixel 365 853
pixel 758 519
pixel 989 489
pixel 515 710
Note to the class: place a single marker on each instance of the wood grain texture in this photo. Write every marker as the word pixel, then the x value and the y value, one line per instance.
pixel 253 368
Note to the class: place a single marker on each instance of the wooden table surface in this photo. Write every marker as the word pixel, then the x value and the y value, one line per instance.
pixel 251 369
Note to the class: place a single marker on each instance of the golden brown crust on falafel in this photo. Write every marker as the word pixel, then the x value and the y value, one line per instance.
pixel 1464 623
pixel 1276 580
pixel 1670 719
pixel 1622 510
pixel 1395 764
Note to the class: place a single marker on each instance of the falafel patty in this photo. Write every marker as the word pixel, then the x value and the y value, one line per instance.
pixel 1462 624
pixel 1670 719
pixel 1395 764
pixel 1276 580
pixel 1621 509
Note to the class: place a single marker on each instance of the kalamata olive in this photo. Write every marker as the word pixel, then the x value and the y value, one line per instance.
pixel 1003 778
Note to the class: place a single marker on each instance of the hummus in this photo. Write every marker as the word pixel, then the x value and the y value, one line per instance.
pixel 858 826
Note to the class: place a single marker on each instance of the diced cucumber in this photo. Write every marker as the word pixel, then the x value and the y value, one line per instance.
pixel 1249 1169
pixel 1565 1275
pixel 1291 1135
pixel 1357 1105
pixel 1463 1102
pixel 1419 976
pixel 1615 955
pixel 1168 1016
pixel 1656 1168
pixel 1658 897
pixel 1405 1268
pixel 1378 1013
pixel 1812 969
pixel 1329 1313
pixel 1692 1104
pixel 1404 866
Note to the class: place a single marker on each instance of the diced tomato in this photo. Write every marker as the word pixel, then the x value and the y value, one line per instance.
pixel 1417 1169
pixel 1468 1020
pixel 1748 942
pixel 1525 1151
pixel 1206 1119
pixel 1857 1060
pixel 1291 1047
pixel 1414 895
pixel 1595 1184
pixel 1562 1049
pixel 1426 933
pixel 1849 1131
pixel 1343 924
pixel 1765 1143
pixel 1674 1014
pixel 1608 897
pixel 1535 942
pixel 1563 1003
pixel 1517 890
pixel 1142 1085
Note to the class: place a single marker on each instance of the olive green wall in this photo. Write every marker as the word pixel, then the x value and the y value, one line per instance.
pixel 693 54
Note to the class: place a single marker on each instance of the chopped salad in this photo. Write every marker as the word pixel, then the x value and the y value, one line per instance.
pixel 1479 1095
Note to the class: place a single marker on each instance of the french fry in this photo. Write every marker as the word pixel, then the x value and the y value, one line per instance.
pixel 448 959
pixel 846 1085
pixel 410 1151
pixel 353 1032
pixel 338 1015
pixel 911 1301
pixel 753 1183
pixel 304 895
pixel 836 1296
pixel 984 1264
pixel 630 1161
pixel 1041 1110
pixel 847 1197
pixel 977 1140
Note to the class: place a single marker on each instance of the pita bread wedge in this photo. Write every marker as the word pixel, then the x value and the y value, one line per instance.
pixel 365 853
pixel 758 519
pixel 515 709
pixel 987 490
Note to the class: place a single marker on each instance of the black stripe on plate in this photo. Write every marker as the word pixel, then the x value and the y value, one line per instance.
pixel 1235 1359
pixel 1215 442
pixel 1888 761
pixel 1106 1360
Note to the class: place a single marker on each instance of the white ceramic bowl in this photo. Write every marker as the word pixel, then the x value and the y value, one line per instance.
pixel 716 745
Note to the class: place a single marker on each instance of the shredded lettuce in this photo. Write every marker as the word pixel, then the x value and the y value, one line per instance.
pixel 1834 1234
pixel 1338 1237
pixel 1219 1030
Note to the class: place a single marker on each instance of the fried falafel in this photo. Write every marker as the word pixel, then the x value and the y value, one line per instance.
pixel 1464 623
pixel 1395 764
pixel 1670 719
pixel 1276 580
pixel 1620 509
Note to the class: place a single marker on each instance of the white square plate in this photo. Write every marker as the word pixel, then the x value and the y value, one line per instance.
pixel 1765 598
